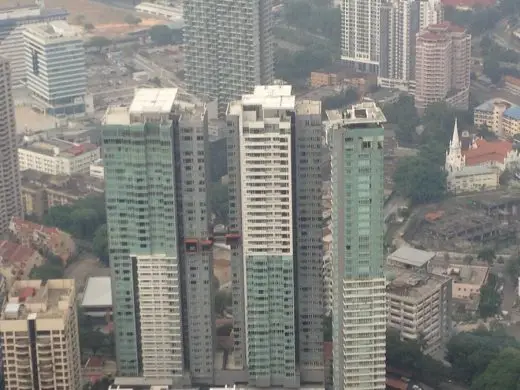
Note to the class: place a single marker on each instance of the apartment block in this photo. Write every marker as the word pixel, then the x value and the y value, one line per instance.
pixel 443 66
pixel 10 199
pixel 39 333
pixel 499 116
pixel 356 137
pixel 56 70
pixel 275 234
pixel 155 167
pixel 15 16
pixel 58 157
pixel 229 48
pixel 419 301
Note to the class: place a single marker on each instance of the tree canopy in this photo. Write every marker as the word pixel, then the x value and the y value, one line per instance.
pixel 344 98
pixel 503 372
pixel 295 66
pixel 163 35
pixel 490 299
pixel 100 244
pixel 404 115
pixel 219 202
pixel 99 42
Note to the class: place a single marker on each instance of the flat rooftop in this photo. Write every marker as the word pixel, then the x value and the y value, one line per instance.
pixel 411 256
pixel 98 292
pixel 16 4
pixel 55 30
pixel 153 100
pixel 29 121
pixel 37 299
pixel 413 284
pixel 58 147
pixel 308 107
pixel 362 113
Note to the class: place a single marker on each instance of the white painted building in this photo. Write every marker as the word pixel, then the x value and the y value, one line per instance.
pixel 58 157
pixel 98 169
pixel 56 70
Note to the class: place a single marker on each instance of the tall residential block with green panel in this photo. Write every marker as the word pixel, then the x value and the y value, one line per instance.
pixel 359 306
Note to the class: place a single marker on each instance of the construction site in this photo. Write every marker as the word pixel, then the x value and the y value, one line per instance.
pixel 465 223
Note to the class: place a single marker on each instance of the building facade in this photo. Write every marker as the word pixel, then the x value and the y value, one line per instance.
pixel 158 237
pixel 228 48
pixel 359 307
pixel 56 70
pixel 360 34
pixel 40 340
pixel 499 116
pixel 275 234
pixel 10 197
pixel 13 22
pixel 443 66
pixel 58 157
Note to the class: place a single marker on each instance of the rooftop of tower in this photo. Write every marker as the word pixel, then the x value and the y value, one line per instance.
pixel 362 113
pixel 277 97
pixel 55 30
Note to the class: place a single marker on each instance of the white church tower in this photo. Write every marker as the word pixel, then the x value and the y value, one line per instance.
pixel 455 161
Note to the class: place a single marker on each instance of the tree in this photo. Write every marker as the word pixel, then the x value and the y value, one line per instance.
pixel 420 180
pixel 223 300
pixel 46 271
pixel 342 99
pixel 487 254
pixel 513 268
pixel 297 66
pixel 502 373
pixel 403 114
pixel 492 69
pixel 99 42
pixel 161 35
pixel 470 353
pixel 100 244
pixel 490 299
pixel 468 259
pixel 132 19
pixel 88 27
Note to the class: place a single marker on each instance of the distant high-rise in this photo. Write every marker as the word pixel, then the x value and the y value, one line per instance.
pixel 359 306
pixel 228 48
pixel 56 70
pixel 160 251
pixel 443 66
pixel 275 233
pixel 10 196
pixel 360 34
pixel 401 20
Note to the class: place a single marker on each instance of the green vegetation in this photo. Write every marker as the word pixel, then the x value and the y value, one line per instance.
pixel 99 42
pixel 81 219
pixel 513 268
pixel 502 373
pixel 223 300
pixel 163 35
pixel 219 202
pixel 404 115
pixel 487 254
pixel 100 244
pixel 294 67
pixel 132 19
pixel 52 268
pixel 490 299
pixel 342 99
pixel 473 357
pixel 408 356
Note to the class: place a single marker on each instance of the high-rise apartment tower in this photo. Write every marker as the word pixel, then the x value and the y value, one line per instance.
pixel 10 196
pixel 359 307
pixel 228 48
pixel 160 251
pixel 39 334
pixel 274 149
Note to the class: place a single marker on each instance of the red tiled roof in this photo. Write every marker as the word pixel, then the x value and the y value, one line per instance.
pixel 396 384
pixel 95 362
pixel 487 152
pixel 12 253
pixel 469 3
pixel 512 80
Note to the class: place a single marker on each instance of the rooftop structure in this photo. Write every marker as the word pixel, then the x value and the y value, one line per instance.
pixel 499 116
pixel 49 307
pixel 98 292
pixel 410 257
pixel 366 112
pixel 17 261
pixel 55 31
pixel 467 279
pixel 153 100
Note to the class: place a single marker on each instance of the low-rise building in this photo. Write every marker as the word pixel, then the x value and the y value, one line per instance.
pixel 97 169
pixel 512 85
pixel 341 75
pixel 17 261
pixel 43 238
pixel 419 306
pixel 499 116
pixel 39 336
pixel 97 298
pixel 467 280
pixel 58 157
pixel 40 191
pixel 473 179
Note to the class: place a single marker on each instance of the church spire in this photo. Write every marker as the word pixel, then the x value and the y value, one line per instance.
pixel 455 142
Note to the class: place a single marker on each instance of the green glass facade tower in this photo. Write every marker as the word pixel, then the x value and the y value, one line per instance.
pixel 359 306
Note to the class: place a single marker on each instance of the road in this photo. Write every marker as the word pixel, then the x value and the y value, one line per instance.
pixel 483 93
pixel 502 36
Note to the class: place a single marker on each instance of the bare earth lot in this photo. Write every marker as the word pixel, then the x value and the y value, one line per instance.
pixel 95 13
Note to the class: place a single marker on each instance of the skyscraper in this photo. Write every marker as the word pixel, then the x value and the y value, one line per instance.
pixel 359 307
pixel 160 253
pixel 360 33
pixel 274 149
pixel 228 48
pixel 10 197
pixel 401 20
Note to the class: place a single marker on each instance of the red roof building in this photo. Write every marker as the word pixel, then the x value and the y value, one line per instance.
pixel 483 152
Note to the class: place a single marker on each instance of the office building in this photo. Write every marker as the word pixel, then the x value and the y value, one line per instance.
pixel 160 256
pixel 229 48
pixel 56 70
pixel 15 16
pixel 10 198
pixel 40 341
pixel 443 66
pixel 58 157
pixel 419 301
pixel 360 34
pixel 359 307
pixel 401 20
pixel 275 234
